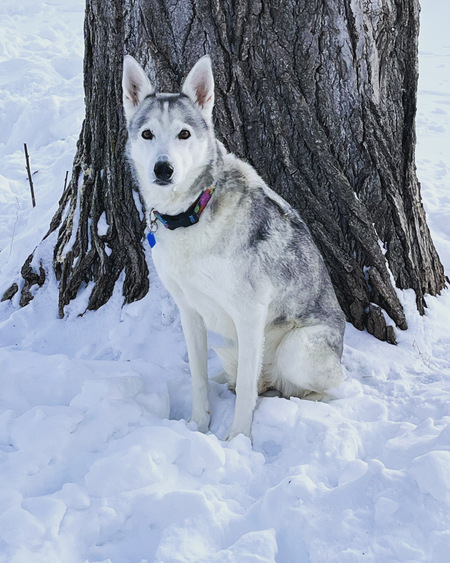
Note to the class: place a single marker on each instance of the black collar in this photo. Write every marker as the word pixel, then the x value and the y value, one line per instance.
pixel 184 219
pixel 189 217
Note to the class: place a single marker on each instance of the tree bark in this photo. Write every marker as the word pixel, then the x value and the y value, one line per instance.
pixel 319 95
pixel 99 228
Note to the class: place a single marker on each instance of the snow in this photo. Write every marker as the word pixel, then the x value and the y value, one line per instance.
pixel 97 461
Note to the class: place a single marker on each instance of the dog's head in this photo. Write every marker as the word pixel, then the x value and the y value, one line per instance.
pixel 169 134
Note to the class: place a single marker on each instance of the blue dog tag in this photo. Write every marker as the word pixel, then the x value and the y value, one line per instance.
pixel 151 239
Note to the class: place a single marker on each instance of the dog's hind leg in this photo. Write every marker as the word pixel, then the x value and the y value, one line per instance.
pixel 308 361
pixel 228 357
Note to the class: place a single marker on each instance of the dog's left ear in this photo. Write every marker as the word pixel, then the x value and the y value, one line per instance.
pixel 135 86
pixel 199 85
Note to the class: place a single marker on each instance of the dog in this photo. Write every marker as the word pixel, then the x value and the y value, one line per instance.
pixel 237 259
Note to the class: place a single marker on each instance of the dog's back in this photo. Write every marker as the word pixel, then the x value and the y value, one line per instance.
pixel 272 259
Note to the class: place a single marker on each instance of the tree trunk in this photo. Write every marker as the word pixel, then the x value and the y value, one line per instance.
pixel 319 95
pixel 100 230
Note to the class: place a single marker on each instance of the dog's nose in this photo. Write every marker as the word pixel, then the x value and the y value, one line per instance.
pixel 163 171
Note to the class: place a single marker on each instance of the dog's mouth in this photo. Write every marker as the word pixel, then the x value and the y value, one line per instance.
pixel 159 182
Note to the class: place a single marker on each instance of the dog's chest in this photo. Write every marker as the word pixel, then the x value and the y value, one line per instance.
pixel 197 277
pixel 182 254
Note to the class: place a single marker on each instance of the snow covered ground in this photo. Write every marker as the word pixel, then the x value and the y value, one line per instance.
pixel 97 462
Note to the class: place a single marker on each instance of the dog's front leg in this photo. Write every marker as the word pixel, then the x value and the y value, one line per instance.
pixel 196 341
pixel 250 333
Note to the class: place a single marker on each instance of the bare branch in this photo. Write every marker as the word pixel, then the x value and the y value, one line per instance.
pixel 30 179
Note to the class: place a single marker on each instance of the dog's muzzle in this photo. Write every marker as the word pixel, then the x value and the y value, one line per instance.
pixel 163 171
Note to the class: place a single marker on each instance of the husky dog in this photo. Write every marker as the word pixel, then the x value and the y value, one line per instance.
pixel 237 259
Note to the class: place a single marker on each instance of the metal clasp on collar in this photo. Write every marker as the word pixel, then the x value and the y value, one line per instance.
pixel 152 222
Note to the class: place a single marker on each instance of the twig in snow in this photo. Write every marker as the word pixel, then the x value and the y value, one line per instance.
pixel 426 360
pixel 27 158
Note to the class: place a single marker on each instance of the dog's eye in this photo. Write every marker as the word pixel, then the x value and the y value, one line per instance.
pixel 184 134
pixel 147 134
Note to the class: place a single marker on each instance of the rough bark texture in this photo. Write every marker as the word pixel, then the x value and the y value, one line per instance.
pixel 101 181
pixel 100 230
pixel 319 95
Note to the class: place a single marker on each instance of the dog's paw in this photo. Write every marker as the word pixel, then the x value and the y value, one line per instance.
pixel 201 420
pixel 221 378
pixel 233 432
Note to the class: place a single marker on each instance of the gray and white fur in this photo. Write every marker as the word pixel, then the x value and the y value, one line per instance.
pixel 248 270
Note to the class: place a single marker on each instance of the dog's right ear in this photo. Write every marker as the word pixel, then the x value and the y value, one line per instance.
pixel 135 84
pixel 199 86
